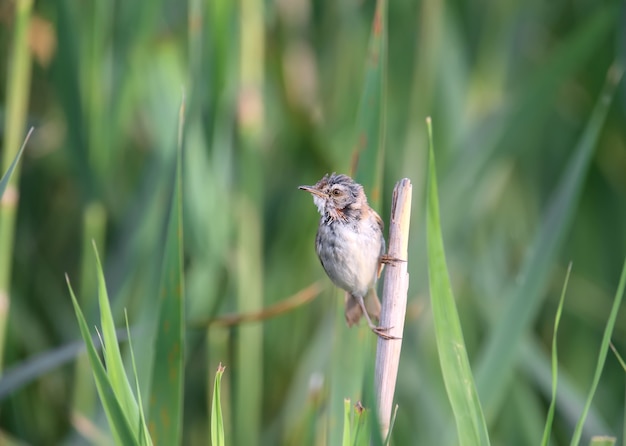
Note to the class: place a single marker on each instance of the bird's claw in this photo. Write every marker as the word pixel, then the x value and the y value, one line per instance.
pixel 380 331
pixel 387 259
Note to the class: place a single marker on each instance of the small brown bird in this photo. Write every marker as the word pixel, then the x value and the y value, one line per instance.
pixel 350 245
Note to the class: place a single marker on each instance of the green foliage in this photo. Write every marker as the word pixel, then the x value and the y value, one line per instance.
pixel 530 171
pixel 166 397
pixel 498 355
pixel 144 434
pixel 604 349
pixel 123 409
pixel 369 146
pixel 555 365
pixel 347 429
pixel 112 383
pixel 217 422
pixel 356 424
pixel 4 180
pixel 455 366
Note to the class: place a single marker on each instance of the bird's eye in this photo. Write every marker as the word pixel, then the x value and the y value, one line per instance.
pixel 336 192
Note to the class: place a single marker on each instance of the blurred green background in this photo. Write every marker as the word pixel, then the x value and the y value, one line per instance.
pixel 272 91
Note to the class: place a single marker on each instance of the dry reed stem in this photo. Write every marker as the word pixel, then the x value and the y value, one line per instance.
pixel 394 302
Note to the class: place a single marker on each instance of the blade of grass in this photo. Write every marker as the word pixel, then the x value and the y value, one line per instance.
pixel 393 422
pixel 18 82
pixel 371 428
pixel 369 151
pixel 555 363
pixel 347 435
pixel 250 271
pixel 96 70
pixel 144 434
pixel 4 181
pixel 217 422
pixel 119 423
pixel 623 364
pixel 112 355
pixel 7 206
pixel 361 427
pixel 353 353
pixel 17 97
pixel 536 364
pixel 455 367
pixel 167 373
pixel 618 356
pixel 497 360
pixel 604 348
pixel 65 71
pixel 94 227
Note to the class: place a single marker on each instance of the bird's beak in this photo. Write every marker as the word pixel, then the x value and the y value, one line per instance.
pixel 313 190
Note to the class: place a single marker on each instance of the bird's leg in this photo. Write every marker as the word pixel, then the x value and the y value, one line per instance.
pixel 380 331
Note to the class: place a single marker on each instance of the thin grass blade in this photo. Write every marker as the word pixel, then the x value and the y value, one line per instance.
pixel 455 367
pixel 393 422
pixel 618 356
pixel 217 421
pixel 555 363
pixel 120 425
pixel 4 181
pixel 497 360
pixel 362 428
pixel 144 434
pixel 604 349
pixel 17 64
pixel 248 387
pixel 167 378
pixel 347 436
pixel 536 364
pixel 369 151
pixel 112 355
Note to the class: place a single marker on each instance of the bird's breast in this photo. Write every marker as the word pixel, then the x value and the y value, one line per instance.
pixel 350 252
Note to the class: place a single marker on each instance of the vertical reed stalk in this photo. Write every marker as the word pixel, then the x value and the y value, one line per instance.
pixel 394 303
pixel 18 86
pixel 95 76
pixel 249 356
pixel 94 228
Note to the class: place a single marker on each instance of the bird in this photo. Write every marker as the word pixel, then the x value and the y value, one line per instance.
pixel 350 245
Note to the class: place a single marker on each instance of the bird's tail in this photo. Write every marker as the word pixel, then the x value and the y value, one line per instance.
pixel 353 309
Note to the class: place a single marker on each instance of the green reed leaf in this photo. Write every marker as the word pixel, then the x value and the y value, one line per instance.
pixel 4 181
pixel 497 360
pixel 455 367
pixel 555 363
pixel 167 378
pixel 604 349
pixel 112 355
pixel 347 411
pixel 369 150
pixel 217 421
pixel 119 422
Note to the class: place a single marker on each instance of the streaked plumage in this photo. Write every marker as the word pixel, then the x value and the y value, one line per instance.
pixel 349 244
